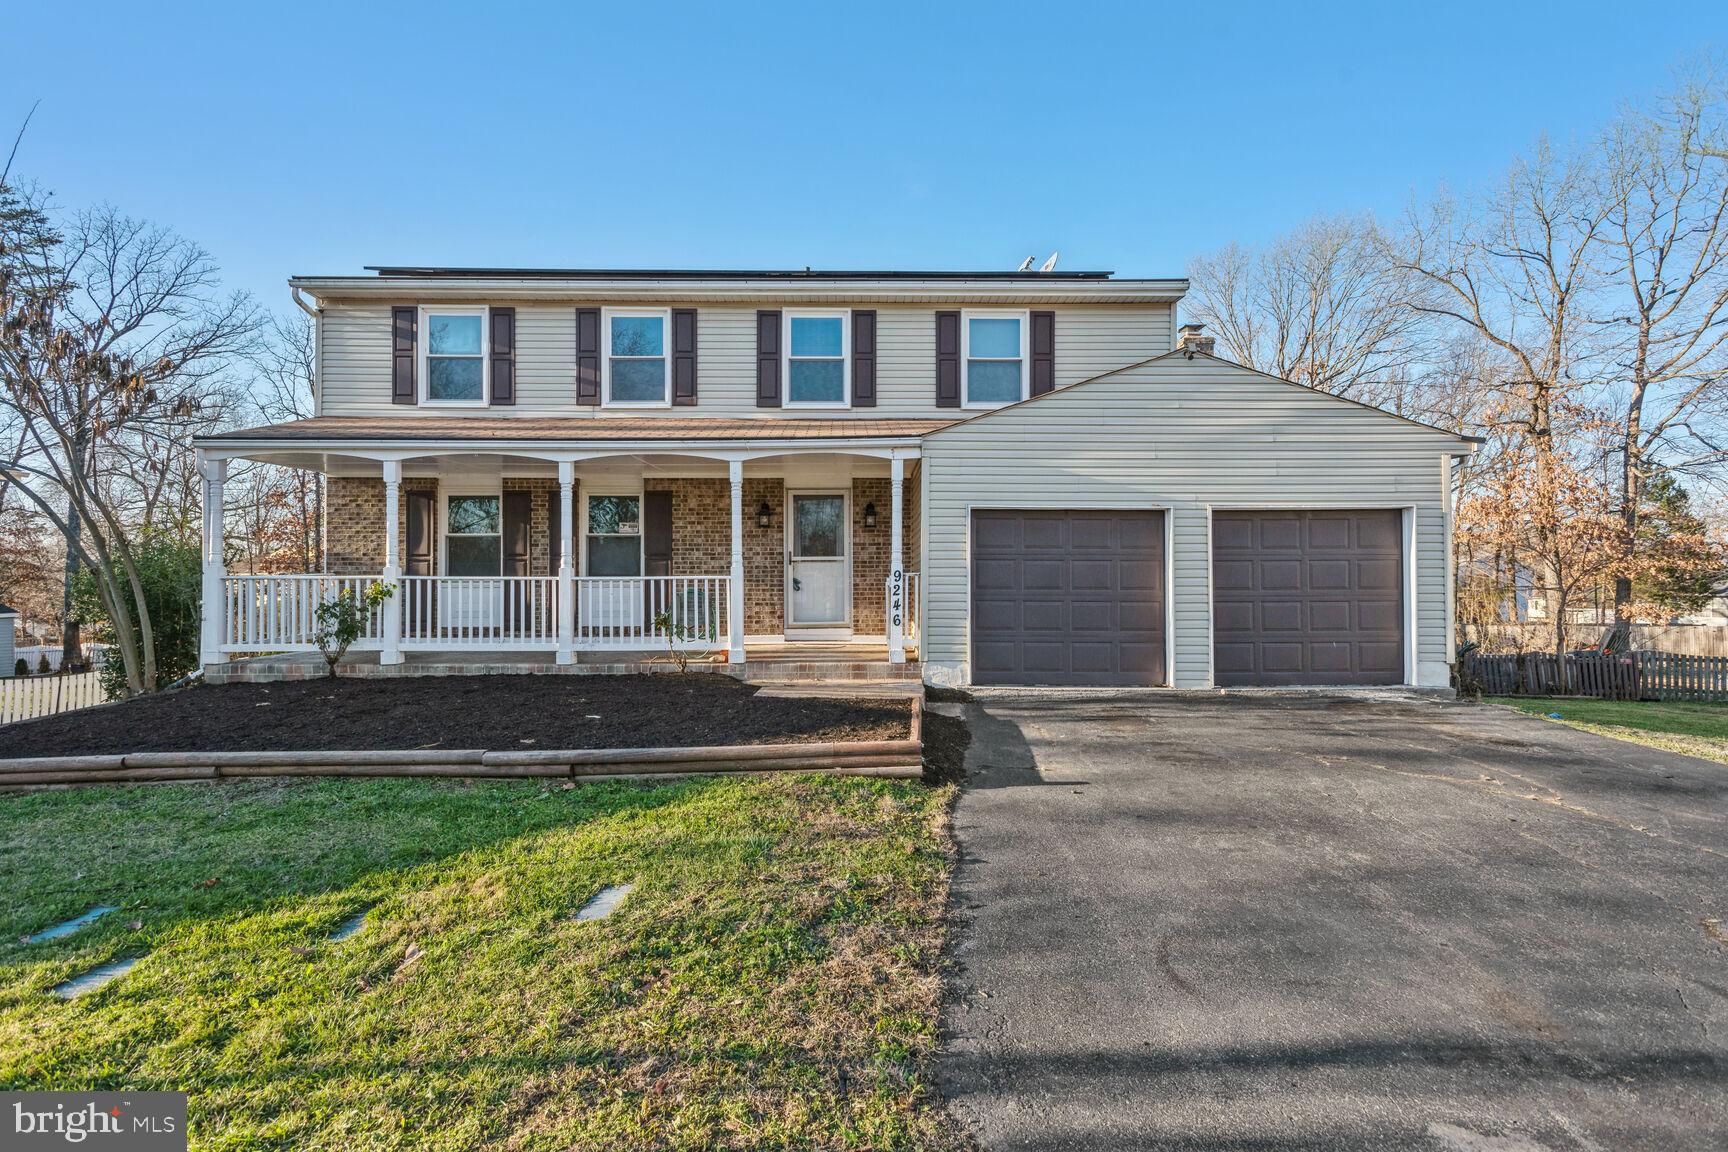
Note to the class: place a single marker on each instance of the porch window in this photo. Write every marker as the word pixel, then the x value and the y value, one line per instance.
pixel 614 535
pixel 473 539
pixel 994 347
pixel 455 361
pixel 636 358
pixel 816 372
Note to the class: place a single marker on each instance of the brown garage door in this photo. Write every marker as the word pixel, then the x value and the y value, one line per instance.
pixel 1068 597
pixel 1307 598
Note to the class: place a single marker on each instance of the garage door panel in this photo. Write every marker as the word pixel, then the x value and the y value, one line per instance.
pixel 1308 597
pixel 1279 575
pixel 1088 594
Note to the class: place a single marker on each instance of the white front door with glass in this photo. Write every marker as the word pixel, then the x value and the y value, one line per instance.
pixel 612 528
pixel 473 546
pixel 818 568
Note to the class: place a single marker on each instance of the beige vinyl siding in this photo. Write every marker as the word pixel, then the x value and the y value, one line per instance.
pixel 1188 436
pixel 355 376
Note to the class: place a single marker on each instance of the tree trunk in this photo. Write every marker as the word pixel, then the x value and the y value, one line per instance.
pixel 71 650
pixel 1560 639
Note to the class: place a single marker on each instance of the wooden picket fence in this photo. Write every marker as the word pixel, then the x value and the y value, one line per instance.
pixel 1629 676
pixel 26 697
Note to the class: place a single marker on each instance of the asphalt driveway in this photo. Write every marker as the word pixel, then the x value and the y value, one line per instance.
pixel 1334 923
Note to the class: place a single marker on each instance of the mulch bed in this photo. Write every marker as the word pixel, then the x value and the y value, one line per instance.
pixel 496 713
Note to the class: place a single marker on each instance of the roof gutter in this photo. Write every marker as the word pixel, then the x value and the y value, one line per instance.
pixel 725 291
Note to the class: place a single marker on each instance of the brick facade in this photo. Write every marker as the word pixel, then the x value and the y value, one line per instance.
pixel 701 537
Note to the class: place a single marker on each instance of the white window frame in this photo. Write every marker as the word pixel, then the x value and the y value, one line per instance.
pixel 665 317
pixel 966 318
pixel 459 487
pixel 424 353
pixel 589 490
pixel 844 315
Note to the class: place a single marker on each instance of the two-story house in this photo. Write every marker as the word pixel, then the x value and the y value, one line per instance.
pixel 1005 478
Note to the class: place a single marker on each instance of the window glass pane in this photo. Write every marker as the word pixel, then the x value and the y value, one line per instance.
pixel 817 381
pixel 638 336
pixel 992 381
pixel 473 556
pixel 453 335
pixel 473 514
pixel 817 524
pixel 816 336
pixel 638 381
pixel 613 515
pixel 455 379
pixel 614 556
pixel 994 337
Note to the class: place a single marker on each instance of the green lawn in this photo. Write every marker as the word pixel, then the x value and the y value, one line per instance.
pixel 1694 729
pixel 772 982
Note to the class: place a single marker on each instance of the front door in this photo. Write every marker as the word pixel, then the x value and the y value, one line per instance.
pixel 473 546
pixel 818 569
pixel 612 546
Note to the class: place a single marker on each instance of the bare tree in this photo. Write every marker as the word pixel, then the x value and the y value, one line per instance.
pixel 284 366
pixel 1321 306
pixel 113 339
pixel 1665 184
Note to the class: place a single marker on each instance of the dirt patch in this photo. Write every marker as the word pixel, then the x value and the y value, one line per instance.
pixel 945 742
pixel 497 713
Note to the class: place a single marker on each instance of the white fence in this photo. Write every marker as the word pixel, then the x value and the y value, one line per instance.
pixel 278 613
pixel 443 613
pixel 23 698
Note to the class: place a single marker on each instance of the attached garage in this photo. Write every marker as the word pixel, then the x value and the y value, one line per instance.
pixel 1310 597
pixel 1190 522
pixel 1068 597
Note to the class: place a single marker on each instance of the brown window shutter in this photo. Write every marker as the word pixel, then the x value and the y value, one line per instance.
pixel 768 359
pixel 518 515
pixel 554 547
pixel 1043 352
pixel 503 324
pixel 422 531
pixel 587 355
pixel 684 356
pixel 864 359
pixel 403 355
pixel 947 359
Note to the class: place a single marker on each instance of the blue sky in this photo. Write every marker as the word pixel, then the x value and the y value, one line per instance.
pixel 301 138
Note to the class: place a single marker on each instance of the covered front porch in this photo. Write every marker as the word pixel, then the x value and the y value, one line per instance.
pixel 546 557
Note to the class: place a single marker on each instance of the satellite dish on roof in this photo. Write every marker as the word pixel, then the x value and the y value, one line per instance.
pixel 1026 264
pixel 1050 264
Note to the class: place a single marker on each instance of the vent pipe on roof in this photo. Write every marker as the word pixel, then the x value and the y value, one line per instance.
pixel 1189 341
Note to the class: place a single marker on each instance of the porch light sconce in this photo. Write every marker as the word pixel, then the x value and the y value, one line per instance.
pixel 764 515
pixel 870 514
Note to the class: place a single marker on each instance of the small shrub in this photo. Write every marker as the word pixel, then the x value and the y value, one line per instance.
pixel 43 667
pixel 342 620
pixel 21 668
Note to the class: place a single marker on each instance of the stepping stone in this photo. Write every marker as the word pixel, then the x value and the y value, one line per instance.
pixel 94 979
pixel 947 708
pixel 69 926
pixel 605 902
pixel 349 927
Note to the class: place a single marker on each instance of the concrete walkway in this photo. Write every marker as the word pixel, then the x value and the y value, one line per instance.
pixel 1332 923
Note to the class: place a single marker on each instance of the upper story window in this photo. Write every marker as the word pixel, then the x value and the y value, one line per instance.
pixel 817 373
pixel 453 367
pixel 993 345
pixel 636 358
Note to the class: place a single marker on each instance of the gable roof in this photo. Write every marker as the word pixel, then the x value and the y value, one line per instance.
pixel 1175 352
pixel 5 611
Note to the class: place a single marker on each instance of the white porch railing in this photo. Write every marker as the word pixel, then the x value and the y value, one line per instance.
pixel 906 608
pixel 278 613
pixel 620 612
pixel 499 612
pixel 439 613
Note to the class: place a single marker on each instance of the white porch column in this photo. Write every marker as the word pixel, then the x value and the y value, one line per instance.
pixel 735 597
pixel 215 597
pixel 391 652
pixel 566 562
pixel 896 563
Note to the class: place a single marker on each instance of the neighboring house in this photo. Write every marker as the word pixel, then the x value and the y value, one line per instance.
pixel 1019 478
pixel 8 652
